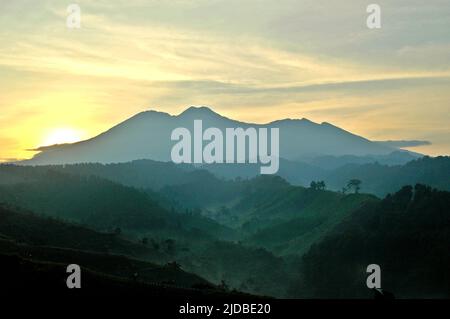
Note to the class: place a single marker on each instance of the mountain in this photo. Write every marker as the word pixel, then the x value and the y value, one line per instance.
pixel 147 135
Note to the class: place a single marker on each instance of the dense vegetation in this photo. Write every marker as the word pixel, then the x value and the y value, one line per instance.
pixel 382 179
pixel 48 241
pixel 407 234
pixel 259 235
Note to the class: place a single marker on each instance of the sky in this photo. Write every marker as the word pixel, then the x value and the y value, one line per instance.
pixel 251 60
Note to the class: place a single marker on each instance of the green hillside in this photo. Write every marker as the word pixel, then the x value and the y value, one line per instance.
pixel 407 234
pixel 262 236
pixel 46 240
pixel 315 219
pixel 383 179
pixel 183 237
pixel 99 203
pixel 28 228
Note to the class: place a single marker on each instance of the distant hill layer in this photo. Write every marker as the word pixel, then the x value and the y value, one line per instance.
pixel 382 179
pixel 376 178
pixel 99 203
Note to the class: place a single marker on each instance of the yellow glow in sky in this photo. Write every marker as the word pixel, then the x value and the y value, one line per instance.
pixel 62 136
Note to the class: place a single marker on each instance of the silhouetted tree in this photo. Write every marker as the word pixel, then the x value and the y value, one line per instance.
pixel 317 185
pixel 354 184
pixel 321 185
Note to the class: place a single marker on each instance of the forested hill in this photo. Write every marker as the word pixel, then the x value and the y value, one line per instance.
pixel 262 235
pixel 378 179
pixel 407 234
pixel 383 179
pixel 99 203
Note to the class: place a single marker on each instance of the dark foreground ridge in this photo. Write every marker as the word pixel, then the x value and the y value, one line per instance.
pixel 30 277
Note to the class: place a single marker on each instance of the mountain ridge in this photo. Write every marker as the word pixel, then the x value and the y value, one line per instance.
pixel 147 135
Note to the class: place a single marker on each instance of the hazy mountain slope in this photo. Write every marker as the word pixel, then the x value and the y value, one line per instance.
pixel 145 175
pixel 89 200
pixel 147 136
pixel 26 227
pixel 270 199
pixel 314 218
pixel 178 186
pixel 101 204
pixel 382 179
pixel 286 219
pixel 407 234
pixel 295 172
pixel 184 186
pixel 144 136
pixel 303 138
pixel 269 212
pixel 47 240
pixel 330 162
pixel 249 269
pixel 115 265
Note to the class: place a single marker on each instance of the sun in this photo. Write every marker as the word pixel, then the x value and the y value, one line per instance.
pixel 62 136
